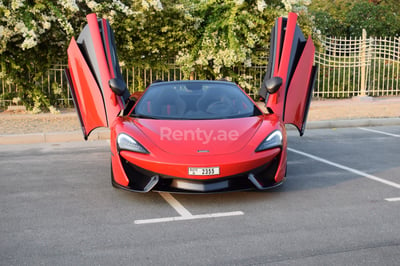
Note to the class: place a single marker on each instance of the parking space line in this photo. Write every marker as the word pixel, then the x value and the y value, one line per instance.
pixel 392 199
pixel 192 217
pixel 183 212
pixel 349 169
pixel 380 132
pixel 175 204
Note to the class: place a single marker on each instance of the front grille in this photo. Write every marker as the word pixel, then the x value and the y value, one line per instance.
pixel 139 178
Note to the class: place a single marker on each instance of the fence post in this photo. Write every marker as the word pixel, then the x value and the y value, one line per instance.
pixel 363 63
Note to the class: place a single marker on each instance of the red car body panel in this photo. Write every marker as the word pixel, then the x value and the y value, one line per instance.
pixel 299 91
pixel 90 69
pixel 173 158
pixel 218 137
pixel 101 44
pixel 175 145
pixel 277 101
pixel 292 58
pixel 87 94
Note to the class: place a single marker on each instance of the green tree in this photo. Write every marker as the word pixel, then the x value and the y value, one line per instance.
pixel 347 17
pixel 229 34
pixel 34 35
pixel 377 20
pixel 154 36
pixel 328 25
pixel 30 41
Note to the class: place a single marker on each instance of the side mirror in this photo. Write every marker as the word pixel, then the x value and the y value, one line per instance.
pixel 273 84
pixel 118 86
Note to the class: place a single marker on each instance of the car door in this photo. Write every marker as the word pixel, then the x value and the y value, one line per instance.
pixel 92 63
pixel 292 59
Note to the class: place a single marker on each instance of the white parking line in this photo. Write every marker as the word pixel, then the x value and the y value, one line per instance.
pixel 392 199
pixel 192 217
pixel 352 170
pixel 175 204
pixel 380 132
pixel 183 212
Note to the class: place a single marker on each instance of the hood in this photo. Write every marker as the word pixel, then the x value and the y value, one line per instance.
pixel 190 137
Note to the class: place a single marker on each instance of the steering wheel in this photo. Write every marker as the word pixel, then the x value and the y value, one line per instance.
pixel 219 107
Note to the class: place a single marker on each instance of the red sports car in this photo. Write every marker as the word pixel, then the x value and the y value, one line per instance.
pixel 193 136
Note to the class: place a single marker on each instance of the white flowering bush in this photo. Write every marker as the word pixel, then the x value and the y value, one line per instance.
pixel 35 35
pixel 209 37
pixel 304 17
pixel 231 35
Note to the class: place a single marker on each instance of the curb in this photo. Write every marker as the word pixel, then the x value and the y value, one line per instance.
pixel 104 134
pixel 365 122
pixel 52 137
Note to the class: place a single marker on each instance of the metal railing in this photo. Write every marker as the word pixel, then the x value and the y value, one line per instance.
pixel 55 86
pixel 138 78
pixel 358 67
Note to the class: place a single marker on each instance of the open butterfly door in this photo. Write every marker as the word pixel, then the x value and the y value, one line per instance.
pixel 292 60
pixel 92 63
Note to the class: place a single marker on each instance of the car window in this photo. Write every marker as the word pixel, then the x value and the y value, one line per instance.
pixel 194 100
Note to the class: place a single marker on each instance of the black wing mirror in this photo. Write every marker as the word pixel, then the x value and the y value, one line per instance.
pixel 273 84
pixel 118 86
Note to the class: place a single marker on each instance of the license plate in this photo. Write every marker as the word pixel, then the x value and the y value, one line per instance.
pixel 203 170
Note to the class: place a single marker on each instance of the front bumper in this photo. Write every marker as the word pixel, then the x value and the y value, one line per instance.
pixel 270 174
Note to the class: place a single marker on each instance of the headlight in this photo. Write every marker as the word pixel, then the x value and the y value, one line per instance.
pixel 125 142
pixel 272 141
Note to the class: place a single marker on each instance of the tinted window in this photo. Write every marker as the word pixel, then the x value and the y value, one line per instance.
pixel 194 100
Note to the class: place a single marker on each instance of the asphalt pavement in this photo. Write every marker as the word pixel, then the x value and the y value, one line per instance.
pixel 338 206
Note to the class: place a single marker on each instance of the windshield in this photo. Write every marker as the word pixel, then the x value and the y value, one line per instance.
pixel 194 100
